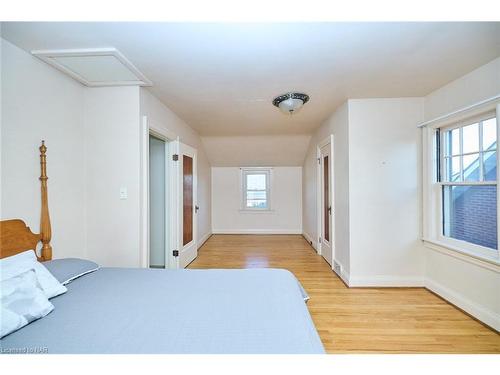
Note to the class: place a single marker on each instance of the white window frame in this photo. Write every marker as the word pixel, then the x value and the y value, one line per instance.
pixel 243 177
pixel 432 192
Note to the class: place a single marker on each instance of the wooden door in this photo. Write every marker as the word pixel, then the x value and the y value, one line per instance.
pixel 187 203
pixel 326 203
pixel 187 199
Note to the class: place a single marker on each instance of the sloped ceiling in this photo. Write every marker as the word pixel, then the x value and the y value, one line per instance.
pixel 257 151
pixel 221 78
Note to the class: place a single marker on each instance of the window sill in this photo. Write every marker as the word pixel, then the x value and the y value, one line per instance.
pixel 256 211
pixel 491 262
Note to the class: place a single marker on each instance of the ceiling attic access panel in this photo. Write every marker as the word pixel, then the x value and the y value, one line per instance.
pixel 95 67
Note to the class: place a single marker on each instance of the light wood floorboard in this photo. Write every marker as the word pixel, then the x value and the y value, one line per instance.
pixel 363 320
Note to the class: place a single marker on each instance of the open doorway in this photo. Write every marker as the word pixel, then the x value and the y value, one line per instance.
pixel 158 210
pixel 169 204
pixel 158 202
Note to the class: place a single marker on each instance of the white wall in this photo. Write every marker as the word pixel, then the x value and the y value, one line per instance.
pixel 286 203
pixel 377 191
pixel 112 161
pixel 385 192
pixel 38 102
pixel 239 151
pixel 113 118
pixel 482 83
pixel 471 285
pixel 163 117
pixel 93 137
pixel 337 125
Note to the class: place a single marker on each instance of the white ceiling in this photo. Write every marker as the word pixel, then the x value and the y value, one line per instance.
pixel 221 78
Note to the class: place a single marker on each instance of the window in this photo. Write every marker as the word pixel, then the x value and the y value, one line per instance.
pixel 256 191
pixel 467 177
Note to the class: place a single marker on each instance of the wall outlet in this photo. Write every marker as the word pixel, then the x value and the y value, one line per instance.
pixel 337 267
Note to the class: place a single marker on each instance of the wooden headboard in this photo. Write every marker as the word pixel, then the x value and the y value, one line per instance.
pixel 16 236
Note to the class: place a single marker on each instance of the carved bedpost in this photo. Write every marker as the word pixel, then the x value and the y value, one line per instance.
pixel 45 229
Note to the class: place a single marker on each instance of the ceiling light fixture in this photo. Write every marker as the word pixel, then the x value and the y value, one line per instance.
pixel 290 103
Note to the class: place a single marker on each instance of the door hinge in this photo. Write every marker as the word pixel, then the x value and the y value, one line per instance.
pixel 175 253
pixel 319 160
pixel 319 240
pixel 175 157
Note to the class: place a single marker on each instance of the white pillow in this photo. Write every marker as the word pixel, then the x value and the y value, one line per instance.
pixel 25 261
pixel 23 301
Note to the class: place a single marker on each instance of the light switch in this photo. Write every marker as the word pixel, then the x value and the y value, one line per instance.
pixel 123 193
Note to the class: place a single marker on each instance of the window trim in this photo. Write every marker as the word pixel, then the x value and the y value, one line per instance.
pixel 432 229
pixel 244 171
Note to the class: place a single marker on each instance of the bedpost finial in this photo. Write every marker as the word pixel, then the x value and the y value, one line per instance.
pixel 45 228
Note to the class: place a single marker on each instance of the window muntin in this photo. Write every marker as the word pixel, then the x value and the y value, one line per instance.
pixel 468 181
pixel 256 191
pixel 469 152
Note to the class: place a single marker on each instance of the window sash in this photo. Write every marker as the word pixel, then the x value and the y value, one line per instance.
pixel 442 179
pixel 443 175
pixel 245 199
pixel 471 120
pixel 437 191
pixel 455 224
pixel 433 182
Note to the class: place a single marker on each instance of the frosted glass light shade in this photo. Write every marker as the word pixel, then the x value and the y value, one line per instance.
pixel 291 102
pixel 291 105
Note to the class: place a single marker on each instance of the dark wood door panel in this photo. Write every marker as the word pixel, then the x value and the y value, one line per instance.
pixel 326 199
pixel 187 194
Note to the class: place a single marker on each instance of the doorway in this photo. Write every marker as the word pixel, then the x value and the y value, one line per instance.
pixel 169 204
pixel 326 200
pixel 158 152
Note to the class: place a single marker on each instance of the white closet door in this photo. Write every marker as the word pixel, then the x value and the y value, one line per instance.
pixel 187 209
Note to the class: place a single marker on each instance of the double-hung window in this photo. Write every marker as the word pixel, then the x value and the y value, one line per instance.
pixel 465 185
pixel 256 188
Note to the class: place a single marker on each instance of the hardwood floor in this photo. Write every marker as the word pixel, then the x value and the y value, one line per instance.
pixel 389 320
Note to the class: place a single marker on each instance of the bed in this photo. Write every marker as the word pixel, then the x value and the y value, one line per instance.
pixel 125 310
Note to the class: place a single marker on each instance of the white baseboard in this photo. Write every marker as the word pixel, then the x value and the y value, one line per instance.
pixel 344 275
pixel 487 316
pixel 385 281
pixel 309 239
pixel 204 239
pixel 257 231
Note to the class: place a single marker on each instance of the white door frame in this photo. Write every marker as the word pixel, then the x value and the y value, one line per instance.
pixel 319 208
pixel 149 127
